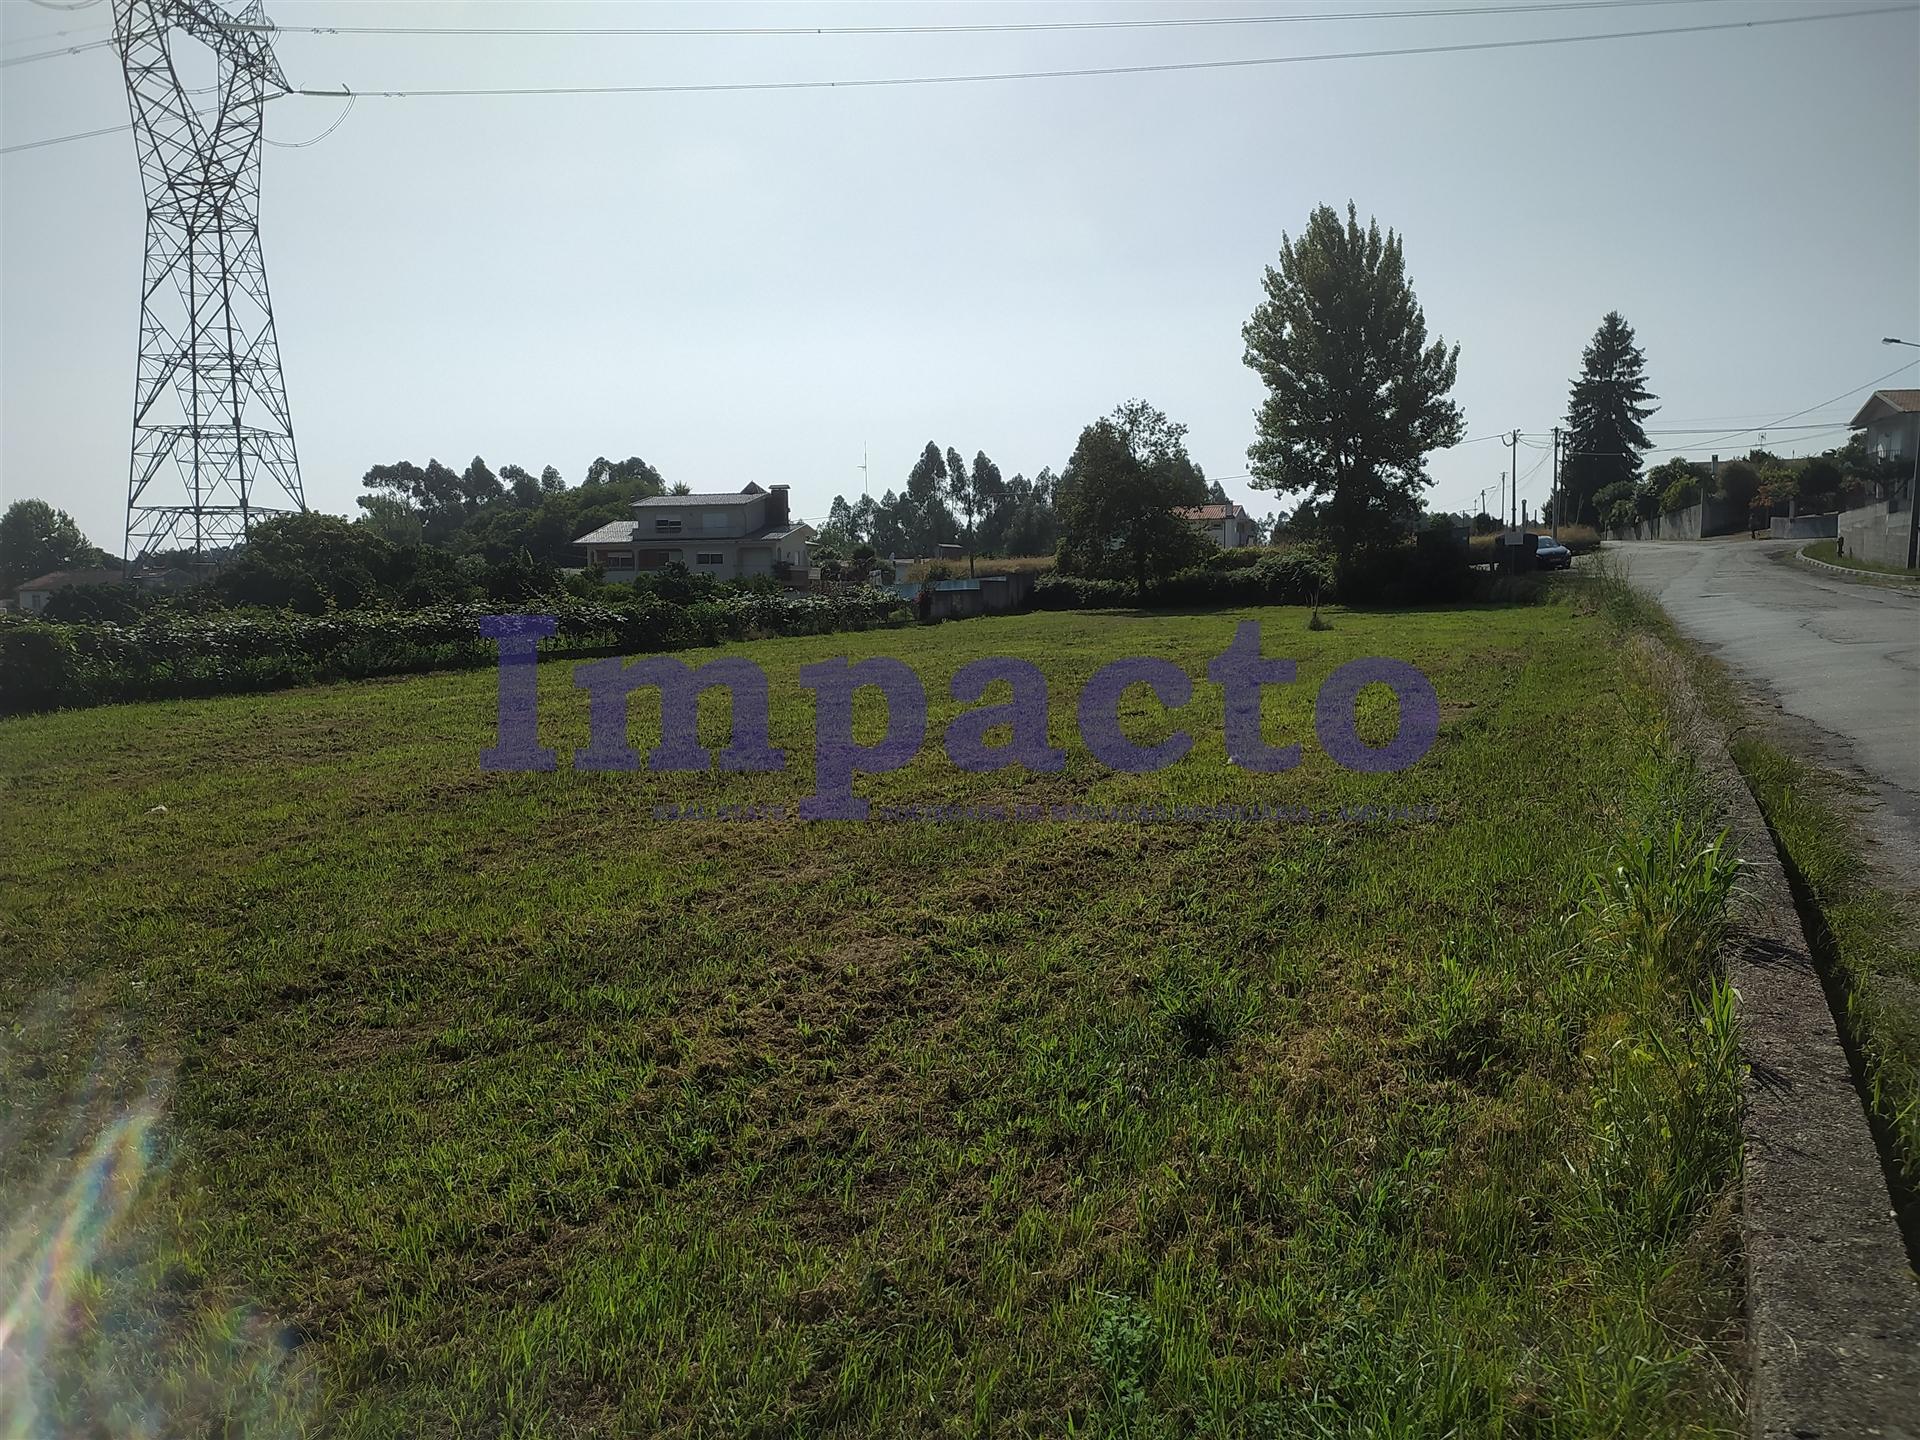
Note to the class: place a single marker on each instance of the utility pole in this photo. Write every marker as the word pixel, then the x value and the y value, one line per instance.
pixel 1513 460
pixel 865 494
pixel 1556 482
pixel 1501 518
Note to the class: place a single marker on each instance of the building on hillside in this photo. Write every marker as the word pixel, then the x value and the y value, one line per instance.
pixel 1891 419
pixel 728 535
pixel 1228 526
pixel 32 595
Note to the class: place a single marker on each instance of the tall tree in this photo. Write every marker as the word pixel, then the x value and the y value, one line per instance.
pixel 1356 397
pixel 990 492
pixel 1120 495
pixel 391 518
pixel 926 520
pixel 645 480
pixel 1604 416
pixel 479 485
pixel 966 498
pixel 35 538
pixel 889 534
pixel 521 485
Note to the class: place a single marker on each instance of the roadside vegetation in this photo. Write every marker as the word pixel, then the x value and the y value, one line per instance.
pixel 998 565
pixel 388 1097
pixel 1862 931
pixel 1580 539
pixel 163 654
pixel 1827 551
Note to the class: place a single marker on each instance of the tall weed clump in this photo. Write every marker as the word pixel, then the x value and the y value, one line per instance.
pixel 1663 1134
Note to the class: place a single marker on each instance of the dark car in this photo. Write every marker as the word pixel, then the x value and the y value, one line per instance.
pixel 1550 554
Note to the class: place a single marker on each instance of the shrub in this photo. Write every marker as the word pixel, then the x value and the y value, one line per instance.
pixel 46 666
pixel 1405 575
pixel 118 604
pixel 1680 494
pixel 1268 577
pixel 1054 591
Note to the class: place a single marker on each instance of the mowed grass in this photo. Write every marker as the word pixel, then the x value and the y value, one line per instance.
pixel 489 1104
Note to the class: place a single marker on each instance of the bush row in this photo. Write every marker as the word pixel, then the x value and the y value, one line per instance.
pixel 1235 577
pixel 49 666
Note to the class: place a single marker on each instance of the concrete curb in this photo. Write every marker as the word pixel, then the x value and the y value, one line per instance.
pixel 1833 1307
pixel 1896 583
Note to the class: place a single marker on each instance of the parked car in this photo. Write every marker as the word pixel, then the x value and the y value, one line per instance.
pixel 1550 554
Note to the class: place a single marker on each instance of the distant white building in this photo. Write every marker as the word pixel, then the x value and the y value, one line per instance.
pixel 1228 526
pixel 728 535
pixel 33 594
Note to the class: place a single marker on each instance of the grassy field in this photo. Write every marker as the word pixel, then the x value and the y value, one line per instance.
pixel 346 1089
pixel 1828 551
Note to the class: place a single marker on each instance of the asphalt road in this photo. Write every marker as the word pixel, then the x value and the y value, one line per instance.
pixel 1841 658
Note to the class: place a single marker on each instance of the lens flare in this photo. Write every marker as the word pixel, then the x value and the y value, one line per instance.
pixel 48 1253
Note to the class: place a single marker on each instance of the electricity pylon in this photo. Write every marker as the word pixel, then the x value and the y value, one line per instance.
pixel 212 436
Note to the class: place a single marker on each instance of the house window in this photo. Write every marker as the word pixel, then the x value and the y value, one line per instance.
pixel 616 560
pixel 665 525
pixel 714 521
pixel 705 558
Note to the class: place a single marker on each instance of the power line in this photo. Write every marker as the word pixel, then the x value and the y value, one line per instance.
pixel 1543 7
pixel 63 139
pixel 54 54
pixel 979 28
pixel 338 121
pixel 1166 68
pixel 47 35
pixel 1823 425
pixel 1780 424
pixel 1159 69
pixel 1826 430
pixel 1532 470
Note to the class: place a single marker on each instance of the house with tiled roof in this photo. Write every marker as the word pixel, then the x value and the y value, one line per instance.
pixel 1891 419
pixel 1228 526
pixel 730 535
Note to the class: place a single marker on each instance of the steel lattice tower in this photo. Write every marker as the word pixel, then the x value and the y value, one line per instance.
pixel 212 436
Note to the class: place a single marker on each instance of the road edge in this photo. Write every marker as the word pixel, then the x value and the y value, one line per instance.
pixel 1833 1308
pixel 1897 583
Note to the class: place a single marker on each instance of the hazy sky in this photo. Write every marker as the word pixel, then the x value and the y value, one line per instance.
pixel 754 286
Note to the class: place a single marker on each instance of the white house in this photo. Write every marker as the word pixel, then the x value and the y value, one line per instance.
pixel 1891 419
pixel 1228 526
pixel 728 535
pixel 32 595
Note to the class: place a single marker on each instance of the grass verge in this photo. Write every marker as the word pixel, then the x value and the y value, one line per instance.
pixel 347 1089
pixel 1861 932
pixel 1827 551
pixel 1864 933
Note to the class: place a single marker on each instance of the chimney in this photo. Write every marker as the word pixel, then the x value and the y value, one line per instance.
pixel 777 508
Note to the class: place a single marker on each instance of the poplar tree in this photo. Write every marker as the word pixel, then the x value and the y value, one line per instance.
pixel 1356 397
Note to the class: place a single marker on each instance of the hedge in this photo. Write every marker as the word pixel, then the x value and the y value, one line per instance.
pixel 1291 577
pixel 50 666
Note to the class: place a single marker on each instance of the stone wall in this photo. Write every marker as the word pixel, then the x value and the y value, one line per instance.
pixel 1716 515
pixel 1876 533
pixel 1803 527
